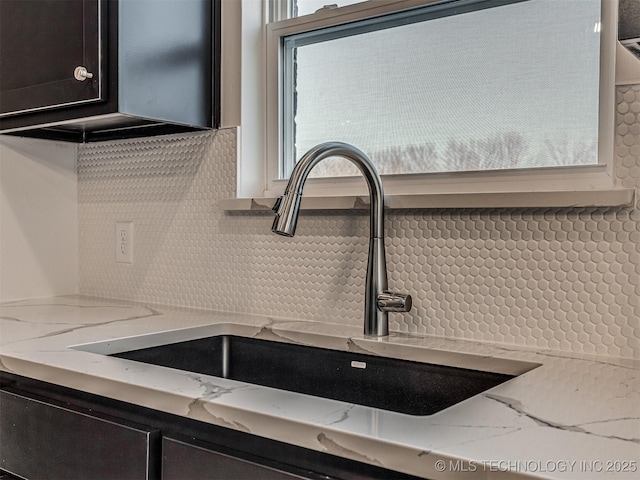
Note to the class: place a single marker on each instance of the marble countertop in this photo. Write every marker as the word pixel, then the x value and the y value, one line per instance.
pixel 569 418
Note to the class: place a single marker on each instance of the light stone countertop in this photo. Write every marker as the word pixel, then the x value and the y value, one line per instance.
pixel 569 418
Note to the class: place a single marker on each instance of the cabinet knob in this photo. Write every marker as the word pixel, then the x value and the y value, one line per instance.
pixel 81 74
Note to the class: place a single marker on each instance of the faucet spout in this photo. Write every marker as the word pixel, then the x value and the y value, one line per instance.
pixel 378 300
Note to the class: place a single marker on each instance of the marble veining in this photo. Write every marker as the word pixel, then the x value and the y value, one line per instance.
pixel 573 417
pixel 518 407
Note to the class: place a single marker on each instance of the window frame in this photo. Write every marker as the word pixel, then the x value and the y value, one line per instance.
pixel 569 178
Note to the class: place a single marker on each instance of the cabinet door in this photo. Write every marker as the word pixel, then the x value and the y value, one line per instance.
pixel 181 461
pixel 40 440
pixel 42 42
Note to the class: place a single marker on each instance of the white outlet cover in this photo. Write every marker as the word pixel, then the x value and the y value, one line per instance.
pixel 124 242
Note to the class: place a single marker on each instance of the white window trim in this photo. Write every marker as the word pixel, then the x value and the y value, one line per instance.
pixel 258 173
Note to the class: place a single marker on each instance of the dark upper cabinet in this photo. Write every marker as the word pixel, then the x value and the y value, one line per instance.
pixel 41 45
pixel 86 70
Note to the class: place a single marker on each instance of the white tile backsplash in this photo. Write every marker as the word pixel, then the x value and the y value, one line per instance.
pixel 559 279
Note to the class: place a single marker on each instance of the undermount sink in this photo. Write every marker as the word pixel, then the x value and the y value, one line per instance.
pixel 403 386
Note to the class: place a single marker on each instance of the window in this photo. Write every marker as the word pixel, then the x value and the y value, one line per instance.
pixel 456 95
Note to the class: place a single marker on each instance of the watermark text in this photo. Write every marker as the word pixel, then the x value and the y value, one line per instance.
pixel 538 466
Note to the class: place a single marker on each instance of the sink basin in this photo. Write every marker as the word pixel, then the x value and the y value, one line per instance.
pixel 403 386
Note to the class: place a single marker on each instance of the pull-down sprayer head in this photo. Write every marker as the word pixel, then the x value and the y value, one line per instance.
pixel 287 207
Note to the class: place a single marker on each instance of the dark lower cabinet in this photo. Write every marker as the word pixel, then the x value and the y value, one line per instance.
pixel 182 460
pixel 40 440
pixel 57 433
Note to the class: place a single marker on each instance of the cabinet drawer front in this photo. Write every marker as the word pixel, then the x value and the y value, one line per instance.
pixel 182 461
pixel 43 441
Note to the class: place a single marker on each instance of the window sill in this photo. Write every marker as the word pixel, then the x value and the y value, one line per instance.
pixel 565 199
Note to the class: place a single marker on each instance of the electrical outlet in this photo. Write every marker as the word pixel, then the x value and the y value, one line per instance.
pixel 124 242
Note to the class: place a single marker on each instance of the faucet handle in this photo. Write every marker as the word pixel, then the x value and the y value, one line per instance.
pixel 394 302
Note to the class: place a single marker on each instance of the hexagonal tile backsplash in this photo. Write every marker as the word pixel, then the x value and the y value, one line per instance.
pixel 559 279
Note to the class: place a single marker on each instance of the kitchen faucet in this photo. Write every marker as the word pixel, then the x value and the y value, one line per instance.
pixel 378 300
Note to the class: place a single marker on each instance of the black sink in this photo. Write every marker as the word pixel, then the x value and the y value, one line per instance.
pixel 401 386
